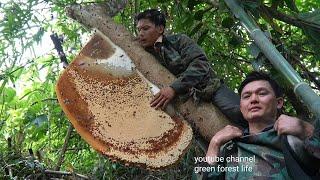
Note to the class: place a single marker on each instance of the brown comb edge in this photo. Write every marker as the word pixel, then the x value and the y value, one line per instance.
pixel 100 146
pixel 113 159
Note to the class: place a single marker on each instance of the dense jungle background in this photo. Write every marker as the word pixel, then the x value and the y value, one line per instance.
pixel 35 142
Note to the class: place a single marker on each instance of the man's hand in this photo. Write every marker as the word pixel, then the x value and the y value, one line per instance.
pixel 220 138
pixel 293 126
pixel 162 98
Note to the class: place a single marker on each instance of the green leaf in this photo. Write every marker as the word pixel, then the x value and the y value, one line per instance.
pixel 313 37
pixel 161 1
pixel 312 33
pixel 196 29
pixel 202 36
pixel 38 36
pixel 251 4
pixel 40 120
pixel 313 17
pixel 254 50
pixel 186 21
pixel 199 15
pixel 227 22
pixel 8 95
pixel 276 3
pixel 259 62
pixel 291 5
pixel 235 40
pixel 269 19
pixel 192 3
pixel 223 7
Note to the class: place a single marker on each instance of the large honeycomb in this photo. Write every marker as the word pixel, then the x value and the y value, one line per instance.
pixel 108 103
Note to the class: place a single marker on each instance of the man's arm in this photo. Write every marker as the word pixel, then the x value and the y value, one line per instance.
pixel 198 67
pixel 217 141
pixel 312 144
pixel 221 137
pixel 293 126
pixel 162 98
pixel 308 133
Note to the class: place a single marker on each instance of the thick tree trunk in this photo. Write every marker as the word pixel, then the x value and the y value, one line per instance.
pixel 205 117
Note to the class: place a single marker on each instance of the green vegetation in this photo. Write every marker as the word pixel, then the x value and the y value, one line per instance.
pixel 32 124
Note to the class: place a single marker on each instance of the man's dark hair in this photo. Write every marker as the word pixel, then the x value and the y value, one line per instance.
pixel 256 76
pixel 154 15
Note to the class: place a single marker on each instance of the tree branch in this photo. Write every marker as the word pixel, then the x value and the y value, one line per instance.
pixel 64 148
pixel 43 100
pixel 299 107
pixel 242 59
pixel 61 173
pixel 309 74
pixel 57 45
pixel 289 19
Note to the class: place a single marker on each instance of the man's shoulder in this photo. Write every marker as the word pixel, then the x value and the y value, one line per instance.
pixel 177 38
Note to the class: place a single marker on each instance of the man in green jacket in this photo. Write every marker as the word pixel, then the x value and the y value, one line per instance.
pixel 187 61
pixel 259 152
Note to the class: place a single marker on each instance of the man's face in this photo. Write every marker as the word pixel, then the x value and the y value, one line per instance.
pixel 258 102
pixel 148 32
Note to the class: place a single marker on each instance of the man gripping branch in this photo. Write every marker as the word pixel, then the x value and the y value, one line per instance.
pixel 187 61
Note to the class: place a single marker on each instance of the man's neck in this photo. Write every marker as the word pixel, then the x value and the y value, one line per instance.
pixel 256 127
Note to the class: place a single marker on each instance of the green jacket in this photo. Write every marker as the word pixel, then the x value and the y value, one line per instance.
pixel 266 158
pixel 269 161
pixel 187 61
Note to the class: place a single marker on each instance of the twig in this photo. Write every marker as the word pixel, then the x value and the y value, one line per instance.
pixel 233 57
pixel 38 154
pixel 43 100
pixel 57 45
pixel 65 173
pixel 9 143
pixel 64 148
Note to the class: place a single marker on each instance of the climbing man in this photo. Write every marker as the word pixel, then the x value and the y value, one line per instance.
pixel 187 61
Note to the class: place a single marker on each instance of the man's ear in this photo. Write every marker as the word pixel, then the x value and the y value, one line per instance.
pixel 160 29
pixel 280 102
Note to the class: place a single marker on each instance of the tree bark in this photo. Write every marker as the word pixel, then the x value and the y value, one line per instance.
pixel 205 117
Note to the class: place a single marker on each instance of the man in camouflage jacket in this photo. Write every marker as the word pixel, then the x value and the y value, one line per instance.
pixel 261 146
pixel 187 61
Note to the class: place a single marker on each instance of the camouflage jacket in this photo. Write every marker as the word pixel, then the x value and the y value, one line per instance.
pixel 187 61
pixel 265 150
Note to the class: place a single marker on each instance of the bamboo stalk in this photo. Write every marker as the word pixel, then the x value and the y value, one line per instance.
pixel 301 89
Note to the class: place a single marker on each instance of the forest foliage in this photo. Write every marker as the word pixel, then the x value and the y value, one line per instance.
pixel 32 124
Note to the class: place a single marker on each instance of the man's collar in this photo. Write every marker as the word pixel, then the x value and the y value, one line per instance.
pixel 247 132
pixel 158 42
